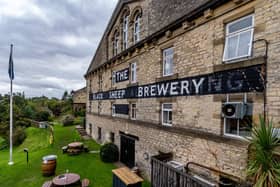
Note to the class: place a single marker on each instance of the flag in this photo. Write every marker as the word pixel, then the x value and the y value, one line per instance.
pixel 11 65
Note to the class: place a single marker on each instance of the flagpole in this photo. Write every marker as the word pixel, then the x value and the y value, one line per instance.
pixel 11 120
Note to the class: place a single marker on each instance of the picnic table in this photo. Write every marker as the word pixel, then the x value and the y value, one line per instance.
pixel 75 147
pixel 67 179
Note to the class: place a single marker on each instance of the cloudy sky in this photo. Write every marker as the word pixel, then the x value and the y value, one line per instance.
pixel 54 41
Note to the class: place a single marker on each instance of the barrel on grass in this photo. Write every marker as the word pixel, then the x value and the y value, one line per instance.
pixel 49 165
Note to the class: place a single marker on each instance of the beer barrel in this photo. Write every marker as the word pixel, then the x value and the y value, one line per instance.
pixel 49 165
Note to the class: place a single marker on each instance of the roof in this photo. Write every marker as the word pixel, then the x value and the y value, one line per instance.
pixel 182 10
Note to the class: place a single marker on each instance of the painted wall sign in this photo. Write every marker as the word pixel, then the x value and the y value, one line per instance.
pixel 121 109
pixel 250 79
pixel 122 75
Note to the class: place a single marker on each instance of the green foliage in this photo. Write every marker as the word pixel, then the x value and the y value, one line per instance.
pixel 109 153
pixel 68 120
pixel 263 164
pixel 42 116
pixel 18 135
pixel 3 143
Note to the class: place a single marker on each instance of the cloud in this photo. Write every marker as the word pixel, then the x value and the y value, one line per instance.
pixel 54 43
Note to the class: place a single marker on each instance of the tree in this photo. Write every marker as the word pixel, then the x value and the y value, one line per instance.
pixel 263 165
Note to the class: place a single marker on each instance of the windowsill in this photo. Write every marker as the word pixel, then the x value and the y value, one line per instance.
pixel 169 77
pixel 239 63
pixel 113 88
pixel 241 138
pixel 132 84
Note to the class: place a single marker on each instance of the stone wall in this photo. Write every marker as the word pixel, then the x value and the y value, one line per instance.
pixel 197 50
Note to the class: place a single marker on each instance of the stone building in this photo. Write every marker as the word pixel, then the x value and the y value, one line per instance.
pixel 189 77
pixel 79 99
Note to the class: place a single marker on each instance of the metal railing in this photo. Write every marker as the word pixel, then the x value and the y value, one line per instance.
pixel 163 175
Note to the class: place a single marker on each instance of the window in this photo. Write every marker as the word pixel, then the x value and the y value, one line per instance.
pixel 113 77
pixel 89 106
pixel 113 110
pixel 99 133
pixel 133 111
pixel 100 81
pixel 167 114
pixel 137 28
pixel 168 61
pixel 112 137
pixel 116 43
pixel 133 71
pixel 125 32
pixel 239 38
pixel 238 127
pixel 99 107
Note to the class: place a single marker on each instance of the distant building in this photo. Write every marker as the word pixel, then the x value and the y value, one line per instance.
pixel 185 77
pixel 79 99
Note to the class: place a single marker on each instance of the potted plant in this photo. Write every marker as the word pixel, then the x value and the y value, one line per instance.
pixel 263 164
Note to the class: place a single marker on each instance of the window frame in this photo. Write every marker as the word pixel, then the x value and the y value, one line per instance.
pixel 237 129
pixel 133 72
pixel 115 44
pixel 125 32
pixel 238 33
pixel 113 110
pixel 133 111
pixel 137 29
pixel 162 114
pixel 164 62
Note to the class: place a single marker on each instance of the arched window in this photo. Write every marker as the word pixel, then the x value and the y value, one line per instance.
pixel 137 29
pixel 125 32
pixel 115 43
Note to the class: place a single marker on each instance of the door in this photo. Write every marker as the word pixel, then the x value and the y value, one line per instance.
pixel 128 151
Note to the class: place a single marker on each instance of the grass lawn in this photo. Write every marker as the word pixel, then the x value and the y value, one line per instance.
pixel 86 164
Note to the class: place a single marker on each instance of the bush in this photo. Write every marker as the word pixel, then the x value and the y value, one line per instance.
pixel 68 120
pixel 18 135
pixel 3 143
pixel 22 123
pixel 109 153
pixel 43 116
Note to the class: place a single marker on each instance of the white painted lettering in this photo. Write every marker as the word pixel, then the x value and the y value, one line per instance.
pixel 153 90
pixel 173 88
pixel 185 87
pixel 197 85
pixel 162 89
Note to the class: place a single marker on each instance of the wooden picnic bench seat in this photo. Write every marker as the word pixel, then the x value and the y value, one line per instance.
pixel 48 184
pixel 85 182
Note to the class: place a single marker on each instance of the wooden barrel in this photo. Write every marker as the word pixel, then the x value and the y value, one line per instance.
pixel 48 165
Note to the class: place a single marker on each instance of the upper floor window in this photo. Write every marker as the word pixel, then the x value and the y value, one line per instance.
pixel 168 61
pixel 125 32
pixel 137 28
pixel 166 114
pixel 133 71
pixel 100 82
pixel 239 38
pixel 113 77
pixel 115 43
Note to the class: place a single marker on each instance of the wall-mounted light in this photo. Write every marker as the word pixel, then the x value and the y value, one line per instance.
pixel 146 156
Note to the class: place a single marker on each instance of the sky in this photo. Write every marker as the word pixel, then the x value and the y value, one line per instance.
pixel 54 42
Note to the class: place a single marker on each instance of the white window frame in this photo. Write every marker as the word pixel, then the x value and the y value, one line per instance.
pixel 125 32
pixel 137 28
pixel 164 59
pixel 113 77
pixel 115 44
pixel 133 111
pixel 238 131
pixel 113 110
pixel 133 72
pixel 238 33
pixel 166 110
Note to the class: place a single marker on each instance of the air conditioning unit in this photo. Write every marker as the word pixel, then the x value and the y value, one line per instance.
pixel 177 165
pixel 234 110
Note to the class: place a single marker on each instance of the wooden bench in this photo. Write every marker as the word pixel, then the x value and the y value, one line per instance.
pixel 85 182
pixel 48 184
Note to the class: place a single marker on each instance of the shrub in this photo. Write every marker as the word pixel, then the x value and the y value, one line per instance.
pixel 109 153
pixel 18 135
pixel 263 164
pixel 3 143
pixel 68 120
pixel 22 123
pixel 43 116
